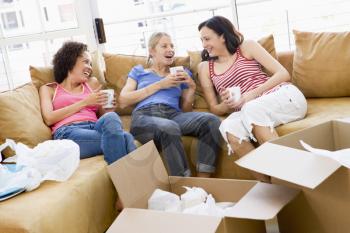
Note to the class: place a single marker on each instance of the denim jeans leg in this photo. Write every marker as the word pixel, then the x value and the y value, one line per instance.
pixel 113 141
pixel 129 139
pixel 167 136
pixel 205 126
pixel 88 139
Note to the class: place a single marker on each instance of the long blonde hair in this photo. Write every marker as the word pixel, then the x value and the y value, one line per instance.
pixel 152 43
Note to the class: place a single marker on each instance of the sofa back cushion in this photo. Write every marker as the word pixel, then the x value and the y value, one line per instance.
pixel 43 75
pixel 20 117
pixel 321 66
pixel 266 42
pixel 286 60
pixel 118 66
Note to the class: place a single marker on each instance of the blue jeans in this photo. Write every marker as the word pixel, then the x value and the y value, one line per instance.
pixel 105 136
pixel 165 125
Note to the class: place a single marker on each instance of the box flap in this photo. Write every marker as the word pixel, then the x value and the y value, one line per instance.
pixel 289 164
pixel 341 132
pixel 150 221
pixel 223 190
pixel 138 174
pixel 263 202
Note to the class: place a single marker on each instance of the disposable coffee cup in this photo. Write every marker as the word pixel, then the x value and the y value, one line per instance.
pixel 235 93
pixel 175 69
pixel 110 93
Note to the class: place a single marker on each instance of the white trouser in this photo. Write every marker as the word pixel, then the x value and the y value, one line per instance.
pixel 279 107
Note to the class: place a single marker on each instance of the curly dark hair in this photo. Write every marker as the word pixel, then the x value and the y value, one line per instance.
pixel 65 59
pixel 222 26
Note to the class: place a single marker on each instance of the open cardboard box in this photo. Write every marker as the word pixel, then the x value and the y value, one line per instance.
pixel 324 203
pixel 138 174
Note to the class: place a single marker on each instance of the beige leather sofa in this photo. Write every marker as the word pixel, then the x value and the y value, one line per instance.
pixel 85 203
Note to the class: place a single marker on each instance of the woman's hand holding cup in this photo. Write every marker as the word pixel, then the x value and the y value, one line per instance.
pixel 231 96
pixel 110 102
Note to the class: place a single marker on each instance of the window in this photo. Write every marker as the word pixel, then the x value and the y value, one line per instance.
pixel 124 31
pixel 9 20
pixel 280 17
pixel 66 12
pixel 32 30
pixel 3 77
pixel 138 2
pixel 38 29
pixel 256 18
pixel 140 24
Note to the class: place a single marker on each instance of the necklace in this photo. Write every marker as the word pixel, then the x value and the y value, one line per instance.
pixel 159 73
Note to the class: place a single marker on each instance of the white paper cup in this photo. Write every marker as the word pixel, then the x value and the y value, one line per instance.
pixel 110 93
pixel 235 92
pixel 175 69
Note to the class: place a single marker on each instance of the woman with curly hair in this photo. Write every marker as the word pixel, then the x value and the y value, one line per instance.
pixel 71 107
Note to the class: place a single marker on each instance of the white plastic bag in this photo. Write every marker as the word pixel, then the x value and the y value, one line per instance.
pixel 50 160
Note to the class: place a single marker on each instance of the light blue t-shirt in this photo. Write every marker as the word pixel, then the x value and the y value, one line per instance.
pixel 170 96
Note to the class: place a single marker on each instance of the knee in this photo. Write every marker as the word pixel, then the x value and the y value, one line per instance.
pixel 235 142
pixel 212 120
pixel 129 137
pixel 112 117
pixel 208 123
pixel 169 128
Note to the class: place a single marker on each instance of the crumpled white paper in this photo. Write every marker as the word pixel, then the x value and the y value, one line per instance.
pixel 51 160
pixel 341 156
pixel 197 201
pixel 208 207
pixel 163 200
pixel 193 196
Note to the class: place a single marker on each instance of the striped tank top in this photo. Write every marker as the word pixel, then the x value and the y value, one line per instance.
pixel 245 73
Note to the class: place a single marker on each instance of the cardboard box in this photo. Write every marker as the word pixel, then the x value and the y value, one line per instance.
pixel 324 203
pixel 138 174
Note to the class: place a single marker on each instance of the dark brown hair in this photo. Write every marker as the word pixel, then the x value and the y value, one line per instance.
pixel 65 59
pixel 222 26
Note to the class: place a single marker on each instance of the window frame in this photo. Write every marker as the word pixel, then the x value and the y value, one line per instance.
pixel 85 26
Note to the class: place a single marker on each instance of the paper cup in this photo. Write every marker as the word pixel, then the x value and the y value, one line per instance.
pixel 175 69
pixel 110 93
pixel 235 93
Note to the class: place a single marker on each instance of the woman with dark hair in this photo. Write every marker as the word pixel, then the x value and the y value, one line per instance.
pixel 72 104
pixel 163 111
pixel 230 62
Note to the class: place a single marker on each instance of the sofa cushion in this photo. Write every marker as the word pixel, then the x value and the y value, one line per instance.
pixel 118 66
pixel 43 75
pixel 266 42
pixel 20 117
pixel 319 110
pixel 321 63
pixel 83 204
pixel 195 59
pixel 286 60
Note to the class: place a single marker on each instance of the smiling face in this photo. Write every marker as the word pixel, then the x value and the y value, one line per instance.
pixel 163 52
pixel 212 42
pixel 82 69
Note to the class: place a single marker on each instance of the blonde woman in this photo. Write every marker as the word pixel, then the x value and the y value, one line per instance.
pixel 163 110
